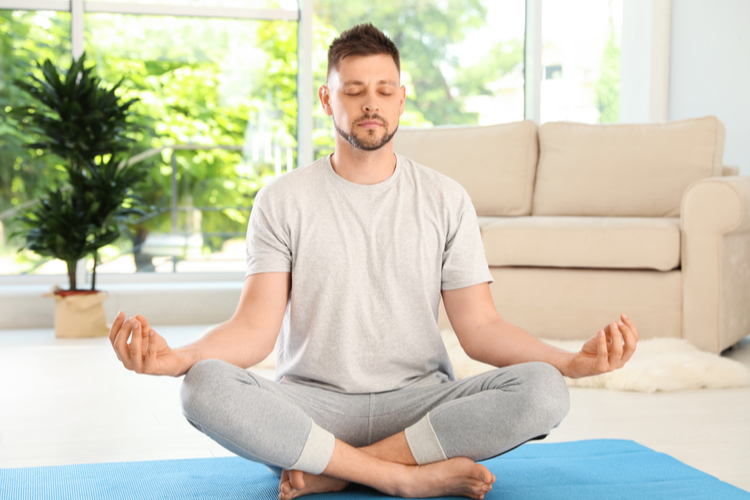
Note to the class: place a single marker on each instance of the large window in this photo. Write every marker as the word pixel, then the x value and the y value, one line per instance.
pixel 218 119
pixel 201 82
pixel 226 104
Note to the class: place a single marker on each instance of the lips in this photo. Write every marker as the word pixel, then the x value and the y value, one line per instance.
pixel 370 124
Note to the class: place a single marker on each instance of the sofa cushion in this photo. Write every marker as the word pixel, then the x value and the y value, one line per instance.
pixel 623 169
pixel 495 164
pixel 576 303
pixel 582 242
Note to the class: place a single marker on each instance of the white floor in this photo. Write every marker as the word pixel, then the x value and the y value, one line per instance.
pixel 70 401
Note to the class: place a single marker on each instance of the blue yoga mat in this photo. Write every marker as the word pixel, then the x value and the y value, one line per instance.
pixel 580 470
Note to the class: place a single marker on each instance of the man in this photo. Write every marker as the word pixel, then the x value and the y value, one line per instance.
pixel 347 260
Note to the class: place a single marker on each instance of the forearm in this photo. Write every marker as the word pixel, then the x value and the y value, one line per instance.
pixel 501 343
pixel 231 341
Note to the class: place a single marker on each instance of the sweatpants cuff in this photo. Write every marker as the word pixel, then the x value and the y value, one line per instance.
pixel 424 443
pixel 317 451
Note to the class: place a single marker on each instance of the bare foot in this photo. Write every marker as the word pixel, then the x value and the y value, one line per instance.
pixel 297 483
pixel 458 476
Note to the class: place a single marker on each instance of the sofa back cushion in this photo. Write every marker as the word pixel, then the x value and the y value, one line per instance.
pixel 636 170
pixel 495 163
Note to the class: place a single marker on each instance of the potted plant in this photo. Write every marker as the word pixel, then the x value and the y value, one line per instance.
pixel 85 124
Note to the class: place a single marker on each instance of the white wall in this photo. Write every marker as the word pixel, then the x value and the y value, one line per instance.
pixel 710 69
pixel 644 57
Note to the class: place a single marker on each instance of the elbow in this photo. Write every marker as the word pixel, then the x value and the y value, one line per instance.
pixel 478 341
pixel 257 354
pixel 470 348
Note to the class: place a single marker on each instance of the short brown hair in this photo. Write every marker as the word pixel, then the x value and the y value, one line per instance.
pixel 361 40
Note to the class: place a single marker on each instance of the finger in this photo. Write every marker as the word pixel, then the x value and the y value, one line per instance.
pixel 121 344
pixel 616 355
pixel 147 331
pixel 116 325
pixel 608 337
pixel 630 324
pixel 136 353
pixel 144 323
pixel 630 343
pixel 149 360
pixel 602 362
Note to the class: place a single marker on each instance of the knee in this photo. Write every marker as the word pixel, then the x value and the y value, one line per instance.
pixel 203 386
pixel 548 395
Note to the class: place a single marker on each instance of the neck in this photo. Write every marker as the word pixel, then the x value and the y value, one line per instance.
pixel 363 167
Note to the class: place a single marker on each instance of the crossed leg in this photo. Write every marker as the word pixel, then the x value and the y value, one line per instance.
pixel 460 422
pixel 295 483
pixel 385 467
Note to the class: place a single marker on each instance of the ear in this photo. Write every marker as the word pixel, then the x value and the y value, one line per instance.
pixel 324 94
pixel 402 103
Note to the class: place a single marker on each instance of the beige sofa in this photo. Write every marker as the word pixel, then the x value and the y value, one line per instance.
pixel 583 222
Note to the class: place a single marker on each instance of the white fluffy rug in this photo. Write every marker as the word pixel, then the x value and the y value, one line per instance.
pixel 661 364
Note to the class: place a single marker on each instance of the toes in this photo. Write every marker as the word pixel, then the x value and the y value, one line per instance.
pixel 283 479
pixel 296 478
pixel 477 489
pixel 285 488
pixel 483 474
pixel 288 495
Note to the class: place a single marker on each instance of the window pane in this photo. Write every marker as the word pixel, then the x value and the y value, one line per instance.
pixel 25 37
pixel 200 82
pixel 581 59
pixel 461 60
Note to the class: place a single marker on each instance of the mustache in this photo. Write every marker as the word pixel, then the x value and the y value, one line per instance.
pixel 371 116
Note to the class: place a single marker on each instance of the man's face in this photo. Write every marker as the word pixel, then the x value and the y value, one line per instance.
pixel 365 100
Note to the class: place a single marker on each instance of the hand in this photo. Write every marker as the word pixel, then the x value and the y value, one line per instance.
pixel 610 349
pixel 147 351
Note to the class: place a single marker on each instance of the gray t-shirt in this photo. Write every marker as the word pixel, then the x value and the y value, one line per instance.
pixel 368 263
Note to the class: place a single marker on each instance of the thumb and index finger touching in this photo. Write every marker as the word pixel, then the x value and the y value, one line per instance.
pixel 616 344
pixel 121 331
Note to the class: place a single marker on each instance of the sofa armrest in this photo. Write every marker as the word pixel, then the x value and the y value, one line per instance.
pixel 715 223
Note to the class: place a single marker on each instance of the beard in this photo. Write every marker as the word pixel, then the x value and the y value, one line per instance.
pixel 370 142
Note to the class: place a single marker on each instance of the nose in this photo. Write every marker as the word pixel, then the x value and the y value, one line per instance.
pixel 370 105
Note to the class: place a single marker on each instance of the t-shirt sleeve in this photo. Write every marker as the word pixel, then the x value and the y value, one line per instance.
pixel 464 262
pixel 267 243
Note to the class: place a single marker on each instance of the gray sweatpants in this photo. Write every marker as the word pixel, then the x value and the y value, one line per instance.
pixel 293 426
